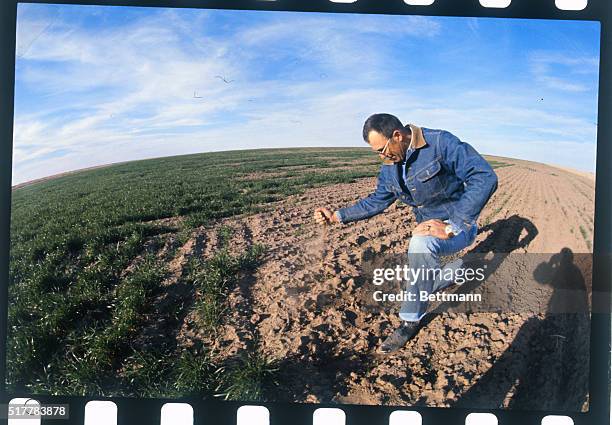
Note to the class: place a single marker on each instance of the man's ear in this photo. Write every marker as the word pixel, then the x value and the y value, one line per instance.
pixel 397 135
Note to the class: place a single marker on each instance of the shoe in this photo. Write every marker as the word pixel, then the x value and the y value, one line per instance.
pixel 399 337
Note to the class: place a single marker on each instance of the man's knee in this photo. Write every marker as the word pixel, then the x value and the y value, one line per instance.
pixel 423 245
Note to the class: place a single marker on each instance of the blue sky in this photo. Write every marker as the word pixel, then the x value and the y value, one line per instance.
pixel 97 85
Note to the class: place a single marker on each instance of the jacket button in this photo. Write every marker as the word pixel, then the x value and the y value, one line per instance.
pixel 419 206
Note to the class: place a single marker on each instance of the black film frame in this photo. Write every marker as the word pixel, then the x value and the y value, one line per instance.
pixel 144 411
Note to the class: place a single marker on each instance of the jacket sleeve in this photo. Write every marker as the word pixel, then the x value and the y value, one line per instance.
pixel 368 207
pixel 480 181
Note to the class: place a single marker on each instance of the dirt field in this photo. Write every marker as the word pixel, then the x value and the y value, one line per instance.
pixel 305 306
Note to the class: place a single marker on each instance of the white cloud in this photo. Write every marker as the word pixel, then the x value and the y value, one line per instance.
pixel 542 64
pixel 127 92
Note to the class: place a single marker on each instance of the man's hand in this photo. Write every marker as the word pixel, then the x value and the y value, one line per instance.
pixel 434 227
pixel 325 216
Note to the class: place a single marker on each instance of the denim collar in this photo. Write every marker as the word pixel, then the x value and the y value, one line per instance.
pixel 417 141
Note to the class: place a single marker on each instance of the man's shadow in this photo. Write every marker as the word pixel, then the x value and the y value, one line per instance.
pixel 507 235
pixel 546 365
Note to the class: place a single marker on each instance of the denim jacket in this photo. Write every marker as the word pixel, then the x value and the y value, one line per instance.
pixel 445 179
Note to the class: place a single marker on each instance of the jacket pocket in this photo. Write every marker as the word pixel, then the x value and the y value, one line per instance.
pixel 429 185
pixel 429 171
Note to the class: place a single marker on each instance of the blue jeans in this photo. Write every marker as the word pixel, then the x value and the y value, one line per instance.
pixel 424 252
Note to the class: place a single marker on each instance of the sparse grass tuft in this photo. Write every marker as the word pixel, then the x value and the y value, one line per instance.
pixel 585 236
pixel 212 279
pixel 225 235
pixel 498 164
pixel 195 373
pixel 157 374
pixel 248 379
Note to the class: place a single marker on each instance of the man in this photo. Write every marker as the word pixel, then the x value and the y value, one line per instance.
pixel 446 182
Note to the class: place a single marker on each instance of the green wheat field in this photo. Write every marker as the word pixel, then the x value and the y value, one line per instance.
pixel 83 268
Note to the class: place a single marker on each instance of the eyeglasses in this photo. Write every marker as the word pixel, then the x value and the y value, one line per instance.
pixel 382 150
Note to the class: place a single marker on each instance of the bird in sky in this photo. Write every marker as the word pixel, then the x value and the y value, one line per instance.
pixel 225 80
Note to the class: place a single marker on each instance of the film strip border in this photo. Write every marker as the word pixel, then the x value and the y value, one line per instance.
pixel 37 411
pixel 122 411
pixel 544 9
